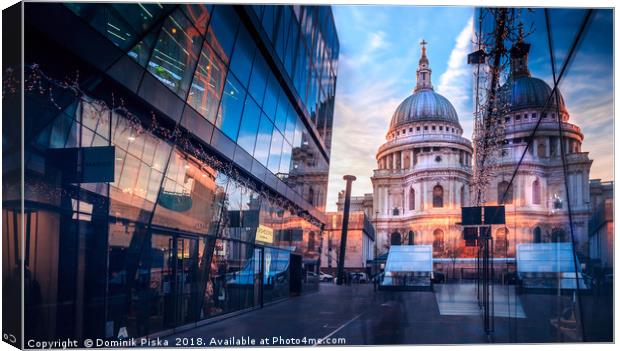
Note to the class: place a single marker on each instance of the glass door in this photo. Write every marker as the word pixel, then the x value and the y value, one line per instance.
pixel 174 266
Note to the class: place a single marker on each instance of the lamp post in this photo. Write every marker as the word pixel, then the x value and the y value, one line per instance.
pixel 345 226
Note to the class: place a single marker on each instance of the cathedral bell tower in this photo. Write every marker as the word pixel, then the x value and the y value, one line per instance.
pixel 423 74
pixel 518 57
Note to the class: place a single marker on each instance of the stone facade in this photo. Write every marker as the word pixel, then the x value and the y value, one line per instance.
pixel 424 171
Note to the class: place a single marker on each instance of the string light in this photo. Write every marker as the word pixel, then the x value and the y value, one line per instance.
pixel 37 82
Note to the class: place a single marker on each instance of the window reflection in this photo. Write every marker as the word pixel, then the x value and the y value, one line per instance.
pixel 229 114
pixel 122 24
pixel 199 14
pixel 206 89
pixel 222 31
pixel 243 55
pixel 249 125
pixel 190 198
pixel 175 53
pixel 263 140
pixel 274 153
pixel 258 81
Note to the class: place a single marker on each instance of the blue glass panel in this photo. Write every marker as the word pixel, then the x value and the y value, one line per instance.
pixel 249 125
pixel 285 162
pixel 289 133
pixel 263 140
pixel 222 30
pixel 275 151
pixel 282 111
pixel 243 54
pixel 229 114
pixel 270 102
pixel 176 53
pixel 260 72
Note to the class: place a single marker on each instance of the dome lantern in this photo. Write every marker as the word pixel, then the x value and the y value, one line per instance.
pixel 423 74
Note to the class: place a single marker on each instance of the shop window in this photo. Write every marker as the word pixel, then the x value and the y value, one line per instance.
pixel 175 53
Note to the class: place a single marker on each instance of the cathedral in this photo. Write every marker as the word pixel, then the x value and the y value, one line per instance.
pixel 424 170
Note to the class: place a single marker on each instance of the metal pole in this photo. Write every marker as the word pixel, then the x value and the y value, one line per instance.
pixel 345 226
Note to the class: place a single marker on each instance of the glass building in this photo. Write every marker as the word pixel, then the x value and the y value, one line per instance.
pixel 219 118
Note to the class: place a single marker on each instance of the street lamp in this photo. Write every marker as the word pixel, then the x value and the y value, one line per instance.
pixel 345 226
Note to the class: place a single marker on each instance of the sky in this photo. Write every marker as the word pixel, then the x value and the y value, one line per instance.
pixel 379 53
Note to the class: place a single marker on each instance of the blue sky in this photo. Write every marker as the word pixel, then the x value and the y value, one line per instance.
pixel 379 51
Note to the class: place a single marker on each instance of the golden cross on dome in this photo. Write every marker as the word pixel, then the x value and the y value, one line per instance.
pixel 423 44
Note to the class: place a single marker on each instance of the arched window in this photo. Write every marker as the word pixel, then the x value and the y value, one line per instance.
pixel 502 188
pixel 463 196
pixel 311 241
pixel 537 235
pixel 411 199
pixel 536 198
pixel 395 211
pixel 311 196
pixel 395 238
pixel 501 240
pixel 541 150
pixel 411 237
pixel 558 235
pixel 437 196
pixel 438 240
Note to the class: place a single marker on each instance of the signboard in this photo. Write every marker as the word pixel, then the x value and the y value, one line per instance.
pixel 471 215
pixel 83 164
pixel 264 234
pixel 494 215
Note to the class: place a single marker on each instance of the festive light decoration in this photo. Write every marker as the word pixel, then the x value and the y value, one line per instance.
pixel 38 82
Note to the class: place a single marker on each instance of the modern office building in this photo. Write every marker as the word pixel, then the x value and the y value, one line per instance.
pixel 175 163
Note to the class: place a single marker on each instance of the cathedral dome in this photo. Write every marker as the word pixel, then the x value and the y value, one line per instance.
pixel 524 91
pixel 424 105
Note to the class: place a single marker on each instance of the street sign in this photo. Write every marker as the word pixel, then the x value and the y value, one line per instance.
pixel 471 215
pixel 494 215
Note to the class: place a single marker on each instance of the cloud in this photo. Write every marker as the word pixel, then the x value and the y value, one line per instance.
pixel 455 82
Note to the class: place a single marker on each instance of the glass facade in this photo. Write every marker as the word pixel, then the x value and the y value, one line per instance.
pixel 172 239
